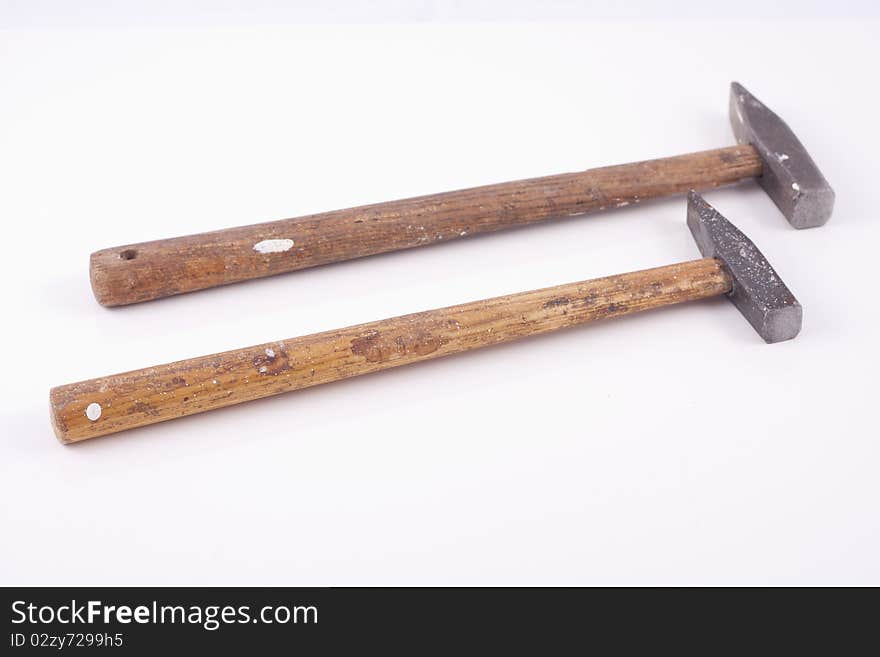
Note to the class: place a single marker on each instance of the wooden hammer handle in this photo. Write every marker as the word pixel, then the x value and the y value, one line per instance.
pixel 134 399
pixel 152 270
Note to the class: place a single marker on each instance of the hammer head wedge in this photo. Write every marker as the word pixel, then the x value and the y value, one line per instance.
pixel 790 176
pixel 757 291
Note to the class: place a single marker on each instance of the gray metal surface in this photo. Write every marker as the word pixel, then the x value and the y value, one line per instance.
pixel 790 177
pixel 757 291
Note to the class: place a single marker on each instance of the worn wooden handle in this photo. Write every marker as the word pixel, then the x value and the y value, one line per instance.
pixel 134 399
pixel 152 270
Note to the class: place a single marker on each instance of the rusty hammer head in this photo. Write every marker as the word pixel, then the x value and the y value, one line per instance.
pixel 757 290
pixel 790 176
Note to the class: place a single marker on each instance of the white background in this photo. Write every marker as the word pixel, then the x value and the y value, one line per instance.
pixel 668 448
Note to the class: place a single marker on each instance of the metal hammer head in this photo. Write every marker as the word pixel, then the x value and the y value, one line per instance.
pixel 757 291
pixel 790 176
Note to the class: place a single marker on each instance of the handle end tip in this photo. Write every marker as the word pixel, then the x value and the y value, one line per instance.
pixel 59 426
pixel 100 279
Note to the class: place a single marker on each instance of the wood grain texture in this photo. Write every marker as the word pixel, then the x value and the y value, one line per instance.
pixel 142 397
pixel 152 270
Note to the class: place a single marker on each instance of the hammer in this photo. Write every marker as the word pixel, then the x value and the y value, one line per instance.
pixel 732 266
pixel 768 151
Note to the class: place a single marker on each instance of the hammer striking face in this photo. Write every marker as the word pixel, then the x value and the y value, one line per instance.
pixel 733 267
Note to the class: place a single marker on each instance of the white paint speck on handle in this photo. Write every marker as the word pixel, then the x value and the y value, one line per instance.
pixel 93 411
pixel 273 246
